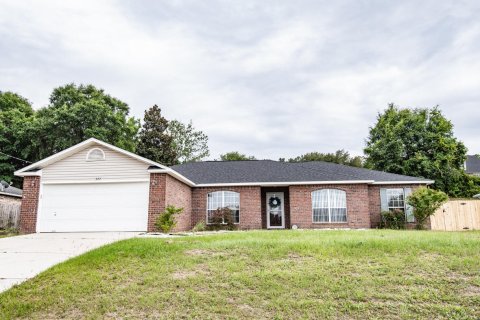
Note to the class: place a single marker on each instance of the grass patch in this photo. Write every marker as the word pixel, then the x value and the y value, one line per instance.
pixel 8 233
pixel 288 274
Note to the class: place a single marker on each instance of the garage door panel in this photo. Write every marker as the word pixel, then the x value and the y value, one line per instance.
pixel 94 207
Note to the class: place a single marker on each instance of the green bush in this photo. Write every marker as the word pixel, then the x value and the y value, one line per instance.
pixel 222 219
pixel 166 220
pixel 393 220
pixel 425 202
pixel 199 227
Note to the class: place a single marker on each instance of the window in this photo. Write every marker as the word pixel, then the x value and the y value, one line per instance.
pixel 329 205
pixel 95 154
pixel 223 199
pixel 395 199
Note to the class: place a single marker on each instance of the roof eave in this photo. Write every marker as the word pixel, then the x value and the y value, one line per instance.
pixel 282 183
pixel 405 182
pixel 174 174
pixel 10 194
pixel 69 151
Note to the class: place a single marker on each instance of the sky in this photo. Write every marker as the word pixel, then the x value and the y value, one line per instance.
pixel 267 78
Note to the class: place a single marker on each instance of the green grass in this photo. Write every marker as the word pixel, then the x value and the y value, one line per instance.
pixel 8 233
pixel 288 274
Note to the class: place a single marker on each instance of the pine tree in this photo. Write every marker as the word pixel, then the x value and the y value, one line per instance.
pixel 155 143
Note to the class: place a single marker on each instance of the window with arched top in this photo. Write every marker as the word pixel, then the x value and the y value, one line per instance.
pixel 329 205
pixel 95 154
pixel 223 199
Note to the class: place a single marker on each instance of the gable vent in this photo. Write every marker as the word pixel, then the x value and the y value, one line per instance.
pixel 95 154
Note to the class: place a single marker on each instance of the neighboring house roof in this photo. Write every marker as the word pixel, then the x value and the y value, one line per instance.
pixel 7 190
pixel 269 172
pixel 472 165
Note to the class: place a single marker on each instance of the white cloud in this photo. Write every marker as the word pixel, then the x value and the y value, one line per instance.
pixel 270 79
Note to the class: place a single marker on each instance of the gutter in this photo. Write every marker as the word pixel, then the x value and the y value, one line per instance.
pixel 10 194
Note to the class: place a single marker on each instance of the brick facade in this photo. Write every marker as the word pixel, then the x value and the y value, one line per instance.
pixel 250 205
pixel 363 204
pixel 29 207
pixel 164 191
pixel 375 206
pixel 156 199
pixel 357 206
pixel 180 195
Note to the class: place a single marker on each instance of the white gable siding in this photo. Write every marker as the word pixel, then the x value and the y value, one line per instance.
pixel 116 166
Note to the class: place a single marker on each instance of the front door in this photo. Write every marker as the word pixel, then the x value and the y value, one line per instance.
pixel 275 210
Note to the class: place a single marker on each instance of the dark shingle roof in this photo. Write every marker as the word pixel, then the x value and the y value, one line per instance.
pixel 255 171
pixel 473 164
pixel 9 190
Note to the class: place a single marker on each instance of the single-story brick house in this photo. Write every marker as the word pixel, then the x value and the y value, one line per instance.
pixel 94 186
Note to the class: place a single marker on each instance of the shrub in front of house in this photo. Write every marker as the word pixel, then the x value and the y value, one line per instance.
pixel 393 220
pixel 166 220
pixel 425 202
pixel 199 227
pixel 221 219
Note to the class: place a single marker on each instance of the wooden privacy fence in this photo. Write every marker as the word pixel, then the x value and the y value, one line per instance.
pixel 457 215
pixel 9 215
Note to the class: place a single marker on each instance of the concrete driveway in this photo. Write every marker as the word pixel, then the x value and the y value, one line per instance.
pixel 23 257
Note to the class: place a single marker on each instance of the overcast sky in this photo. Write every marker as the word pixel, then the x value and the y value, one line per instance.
pixel 268 78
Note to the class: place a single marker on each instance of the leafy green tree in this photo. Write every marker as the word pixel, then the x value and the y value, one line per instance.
pixel 189 145
pixel 16 115
pixel 340 157
pixel 235 156
pixel 425 202
pixel 155 142
pixel 418 142
pixel 11 101
pixel 76 113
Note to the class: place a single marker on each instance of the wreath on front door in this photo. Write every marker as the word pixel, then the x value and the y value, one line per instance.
pixel 274 202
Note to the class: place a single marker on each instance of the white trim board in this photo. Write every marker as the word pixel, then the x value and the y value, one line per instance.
pixel 10 194
pixel 94 181
pixel 67 152
pixel 284 183
pixel 174 174
pixel 404 182
pixel 293 183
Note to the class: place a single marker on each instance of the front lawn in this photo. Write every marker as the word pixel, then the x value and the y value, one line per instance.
pixel 263 274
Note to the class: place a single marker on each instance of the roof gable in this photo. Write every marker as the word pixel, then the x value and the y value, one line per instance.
pixel 90 143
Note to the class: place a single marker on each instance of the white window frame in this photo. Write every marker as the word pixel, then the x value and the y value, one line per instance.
pixel 388 192
pixel 396 191
pixel 223 205
pixel 329 207
pixel 94 149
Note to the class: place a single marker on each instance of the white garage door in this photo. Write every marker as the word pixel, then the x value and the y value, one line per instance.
pixel 94 207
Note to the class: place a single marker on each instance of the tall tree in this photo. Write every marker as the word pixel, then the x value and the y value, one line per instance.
pixel 16 115
pixel 155 142
pixel 419 142
pixel 340 157
pixel 76 113
pixel 235 156
pixel 188 143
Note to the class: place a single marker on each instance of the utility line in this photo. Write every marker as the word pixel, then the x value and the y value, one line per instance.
pixel 8 155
